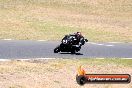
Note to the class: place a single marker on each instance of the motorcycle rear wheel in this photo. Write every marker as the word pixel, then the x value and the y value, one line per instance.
pixel 73 51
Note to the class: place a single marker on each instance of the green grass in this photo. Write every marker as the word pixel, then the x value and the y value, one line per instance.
pixel 117 61
pixel 99 21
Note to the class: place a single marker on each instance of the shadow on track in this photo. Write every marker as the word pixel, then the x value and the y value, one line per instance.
pixel 73 54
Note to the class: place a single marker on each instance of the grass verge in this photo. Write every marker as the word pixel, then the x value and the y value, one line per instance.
pixel 60 73
pixel 99 21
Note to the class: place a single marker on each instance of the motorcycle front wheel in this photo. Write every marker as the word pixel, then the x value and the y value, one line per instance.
pixel 56 50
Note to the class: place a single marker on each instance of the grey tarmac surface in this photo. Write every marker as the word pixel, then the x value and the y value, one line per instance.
pixel 15 49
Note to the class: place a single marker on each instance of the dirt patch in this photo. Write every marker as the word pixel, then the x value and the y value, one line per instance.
pixel 59 73
pixel 100 21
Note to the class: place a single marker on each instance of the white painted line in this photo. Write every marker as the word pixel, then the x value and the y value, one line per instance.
pixel 34 59
pixel 5 60
pixel 100 44
pixel 8 39
pixel 109 45
pixel 92 43
pixel 41 40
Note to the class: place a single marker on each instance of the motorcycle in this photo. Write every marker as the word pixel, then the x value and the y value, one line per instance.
pixel 70 44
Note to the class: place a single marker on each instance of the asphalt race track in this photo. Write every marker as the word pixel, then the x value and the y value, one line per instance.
pixel 23 49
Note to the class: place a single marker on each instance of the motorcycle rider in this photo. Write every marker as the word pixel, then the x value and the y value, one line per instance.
pixel 80 39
